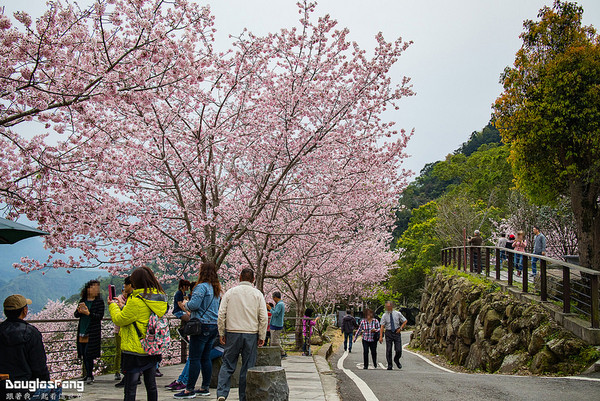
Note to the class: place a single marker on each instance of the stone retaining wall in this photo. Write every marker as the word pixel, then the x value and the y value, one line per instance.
pixel 469 321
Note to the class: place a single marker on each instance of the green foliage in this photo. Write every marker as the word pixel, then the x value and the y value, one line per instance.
pixel 419 249
pixel 437 179
pixel 488 135
pixel 484 175
pixel 549 113
pixel 426 187
pixel 475 279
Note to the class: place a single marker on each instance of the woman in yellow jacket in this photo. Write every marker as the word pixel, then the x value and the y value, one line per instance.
pixel 147 297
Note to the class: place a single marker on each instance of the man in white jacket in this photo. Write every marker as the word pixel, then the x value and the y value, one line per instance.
pixel 242 329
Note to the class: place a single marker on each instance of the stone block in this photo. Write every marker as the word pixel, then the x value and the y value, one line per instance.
pixel 513 363
pixel 543 361
pixel 465 331
pixel 216 368
pixel 267 383
pixel 497 335
pixel 268 356
pixel 491 321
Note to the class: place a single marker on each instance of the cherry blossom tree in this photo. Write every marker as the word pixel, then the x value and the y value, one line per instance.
pixel 70 57
pixel 190 156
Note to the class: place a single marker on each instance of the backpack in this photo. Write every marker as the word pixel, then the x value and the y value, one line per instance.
pixel 158 335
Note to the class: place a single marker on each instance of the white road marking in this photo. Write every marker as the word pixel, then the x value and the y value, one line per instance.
pixel 427 360
pixel 580 378
pixel 362 386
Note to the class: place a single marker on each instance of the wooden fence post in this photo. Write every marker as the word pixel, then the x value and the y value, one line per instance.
pixel 498 263
pixel 566 289
pixel 543 281
pixel 525 273
pixel 595 312
pixel 511 264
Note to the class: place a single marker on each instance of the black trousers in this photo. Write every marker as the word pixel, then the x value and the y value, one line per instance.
pixel 369 345
pixel 136 366
pixel 393 340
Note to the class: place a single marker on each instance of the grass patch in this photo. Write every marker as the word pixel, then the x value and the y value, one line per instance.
pixel 475 279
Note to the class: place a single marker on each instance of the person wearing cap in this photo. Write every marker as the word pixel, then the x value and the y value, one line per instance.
pixel 22 354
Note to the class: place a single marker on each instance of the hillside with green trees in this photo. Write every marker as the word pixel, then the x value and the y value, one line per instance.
pixel 472 189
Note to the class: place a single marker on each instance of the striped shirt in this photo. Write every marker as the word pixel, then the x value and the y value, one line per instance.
pixel 365 329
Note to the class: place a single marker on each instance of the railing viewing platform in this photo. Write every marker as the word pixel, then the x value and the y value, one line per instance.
pixel 574 288
pixel 59 336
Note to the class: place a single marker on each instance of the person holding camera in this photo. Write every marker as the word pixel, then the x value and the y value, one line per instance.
pixel 90 311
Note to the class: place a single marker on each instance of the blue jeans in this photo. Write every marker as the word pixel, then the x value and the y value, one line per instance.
pixel 237 344
pixel 348 341
pixel 179 313
pixel 185 373
pixel 534 265
pixel 200 347
pixel 519 262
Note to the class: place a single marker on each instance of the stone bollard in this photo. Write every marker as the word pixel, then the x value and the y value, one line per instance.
pixel 267 383
pixel 268 356
pixel 216 368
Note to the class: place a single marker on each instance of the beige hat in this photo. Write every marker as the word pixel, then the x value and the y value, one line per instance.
pixel 14 302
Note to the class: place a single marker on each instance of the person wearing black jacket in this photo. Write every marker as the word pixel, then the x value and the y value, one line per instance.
pixel 90 312
pixel 349 324
pixel 22 354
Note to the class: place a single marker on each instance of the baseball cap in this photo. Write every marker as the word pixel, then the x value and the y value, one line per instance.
pixel 14 302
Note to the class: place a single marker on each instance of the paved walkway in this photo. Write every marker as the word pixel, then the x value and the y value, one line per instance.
pixel 420 379
pixel 303 380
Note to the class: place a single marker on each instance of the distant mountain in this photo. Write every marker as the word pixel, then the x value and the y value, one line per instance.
pixel 39 286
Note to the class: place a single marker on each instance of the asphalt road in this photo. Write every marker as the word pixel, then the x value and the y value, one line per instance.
pixel 419 380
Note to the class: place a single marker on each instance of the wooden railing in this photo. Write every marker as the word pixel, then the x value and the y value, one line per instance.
pixel 574 287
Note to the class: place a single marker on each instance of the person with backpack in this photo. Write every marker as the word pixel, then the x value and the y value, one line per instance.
pixel 349 324
pixel 90 311
pixel 204 308
pixel 144 331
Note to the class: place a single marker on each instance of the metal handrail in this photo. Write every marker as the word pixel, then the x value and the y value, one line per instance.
pixel 582 269
pixel 459 255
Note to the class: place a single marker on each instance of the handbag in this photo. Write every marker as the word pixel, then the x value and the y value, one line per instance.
pixel 194 326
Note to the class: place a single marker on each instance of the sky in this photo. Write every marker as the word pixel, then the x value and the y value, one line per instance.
pixel 460 48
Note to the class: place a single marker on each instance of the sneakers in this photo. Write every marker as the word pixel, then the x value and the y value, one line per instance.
pixel 158 374
pixel 203 392
pixel 172 384
pixel 390 367
pixel 183 395
pixel 178 387
pixel 221 399
pixel 117 376
pixel 399 365
pixel 121 383
pixel 89 380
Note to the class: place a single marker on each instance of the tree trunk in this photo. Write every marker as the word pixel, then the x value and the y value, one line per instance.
pixel 300 307
pixel 584 202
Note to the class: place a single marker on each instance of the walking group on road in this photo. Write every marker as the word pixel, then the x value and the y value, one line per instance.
pixel 373 331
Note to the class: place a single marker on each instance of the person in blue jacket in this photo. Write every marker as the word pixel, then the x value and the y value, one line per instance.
pixel 276 327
